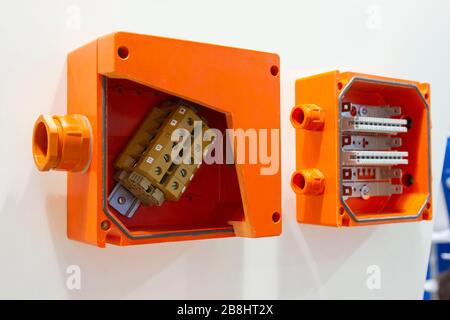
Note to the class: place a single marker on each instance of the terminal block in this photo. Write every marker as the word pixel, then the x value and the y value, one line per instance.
pixel 146 167
pixel 131 179
pixel 363 150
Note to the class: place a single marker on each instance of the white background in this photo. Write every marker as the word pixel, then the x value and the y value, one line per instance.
pixel 403 39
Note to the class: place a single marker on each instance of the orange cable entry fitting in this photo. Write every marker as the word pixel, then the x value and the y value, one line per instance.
pixel 62 143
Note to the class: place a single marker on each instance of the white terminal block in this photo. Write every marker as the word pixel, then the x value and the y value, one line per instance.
pixel 371 158
pixel 374 125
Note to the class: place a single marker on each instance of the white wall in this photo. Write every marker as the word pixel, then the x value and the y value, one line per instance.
pixel 404 39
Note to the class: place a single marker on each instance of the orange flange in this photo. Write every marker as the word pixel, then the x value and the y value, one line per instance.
pixel 308 117
pixel 308 182
pixel 62 143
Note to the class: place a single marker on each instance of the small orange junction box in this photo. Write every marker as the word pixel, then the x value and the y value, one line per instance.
pixel 363 150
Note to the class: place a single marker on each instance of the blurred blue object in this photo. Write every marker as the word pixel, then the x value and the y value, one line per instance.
pixel 446 175
pixel 440 250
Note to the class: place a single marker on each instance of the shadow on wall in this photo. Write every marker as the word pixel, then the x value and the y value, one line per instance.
pixel 316 253
pixel 193 269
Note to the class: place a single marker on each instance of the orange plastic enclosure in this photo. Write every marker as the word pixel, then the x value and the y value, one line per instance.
pixel 117 86
pixel 362 150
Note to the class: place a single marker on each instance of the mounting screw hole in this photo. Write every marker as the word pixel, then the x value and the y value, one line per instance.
pixel 341 211
pixel 123 52
pixel 409 122
pixel 105 225
pixel 340 85
pixel 408 180
pixel 274 70
pixel 276 216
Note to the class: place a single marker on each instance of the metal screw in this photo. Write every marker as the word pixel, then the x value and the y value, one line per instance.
pixel 175 185
pixel 365 192
pixel 121 200
pixel 183 172
pixel 105 225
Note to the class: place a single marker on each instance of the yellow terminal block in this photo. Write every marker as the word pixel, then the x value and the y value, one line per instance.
pixel 152 167
pixel 141 139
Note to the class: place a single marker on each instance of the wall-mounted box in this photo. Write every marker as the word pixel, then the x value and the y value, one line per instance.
pixel 115 83
pixel 363 150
